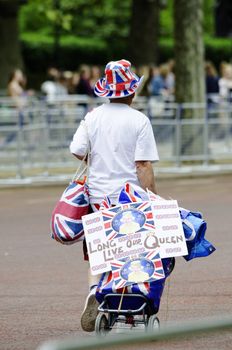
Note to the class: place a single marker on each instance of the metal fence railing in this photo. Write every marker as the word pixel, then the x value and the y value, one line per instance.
pixel 177 331
pixel 35 136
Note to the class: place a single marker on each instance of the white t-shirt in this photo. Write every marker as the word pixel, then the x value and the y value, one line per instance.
pixel 119 135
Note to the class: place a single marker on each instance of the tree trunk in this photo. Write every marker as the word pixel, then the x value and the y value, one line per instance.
pixel 144 31
pixel 189 69
pixel 189 51
pixel 10 57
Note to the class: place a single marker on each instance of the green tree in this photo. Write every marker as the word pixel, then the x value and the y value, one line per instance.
pixel 98 20
pixel 144 32
pixel 10 57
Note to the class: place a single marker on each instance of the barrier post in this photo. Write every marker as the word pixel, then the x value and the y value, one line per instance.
pixel 19 171
pixel 178 135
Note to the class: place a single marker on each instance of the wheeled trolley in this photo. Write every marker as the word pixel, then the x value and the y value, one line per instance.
pixel 130 309
pixel 126 311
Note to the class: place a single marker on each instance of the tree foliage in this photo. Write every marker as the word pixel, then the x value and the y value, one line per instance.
pixel 98 30
pixel 98 21
pixel 93 18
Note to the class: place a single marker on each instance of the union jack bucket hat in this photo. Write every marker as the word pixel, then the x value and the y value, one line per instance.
pixel 119 80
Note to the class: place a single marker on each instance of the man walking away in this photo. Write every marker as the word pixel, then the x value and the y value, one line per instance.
pixel 122 148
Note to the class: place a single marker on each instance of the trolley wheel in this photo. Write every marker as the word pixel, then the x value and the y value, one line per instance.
pixel 153 324
pixel 101 324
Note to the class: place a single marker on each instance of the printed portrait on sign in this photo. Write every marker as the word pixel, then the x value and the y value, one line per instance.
pixel 128 221
pixel 146 268
pixel 136 271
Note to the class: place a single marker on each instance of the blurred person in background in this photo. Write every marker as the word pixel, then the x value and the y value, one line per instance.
pixel 95 75
pixel 68 81
pixel 16 88
pixel 212 78
pixel 211 83
pixel 225 82
pixel 170 79
pixel 16 84
pixel 62 85
pixel 149 73
pixel 74 82
pixel 159 83
pixel 49 86
pixel 83 86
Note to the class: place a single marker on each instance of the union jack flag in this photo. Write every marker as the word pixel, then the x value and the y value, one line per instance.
pixel 108 216
pixel 105 204
pixel 145 207
pixel 128 195
pixel 66 223
pixel 118 74
pixel 107 285
pixel 158 265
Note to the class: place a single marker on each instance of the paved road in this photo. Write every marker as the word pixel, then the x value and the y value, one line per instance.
pixel 43 284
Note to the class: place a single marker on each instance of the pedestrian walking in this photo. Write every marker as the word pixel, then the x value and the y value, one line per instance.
pixel 122 149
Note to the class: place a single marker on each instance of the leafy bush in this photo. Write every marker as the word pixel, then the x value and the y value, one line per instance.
pixel 216 49
pixel 38 51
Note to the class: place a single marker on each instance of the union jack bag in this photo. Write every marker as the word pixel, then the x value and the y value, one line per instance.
pixel 66 223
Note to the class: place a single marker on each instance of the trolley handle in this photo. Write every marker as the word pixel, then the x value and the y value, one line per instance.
pixel 103 309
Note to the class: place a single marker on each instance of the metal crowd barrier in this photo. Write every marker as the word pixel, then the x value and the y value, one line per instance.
pixel 35 135
pixel 177 331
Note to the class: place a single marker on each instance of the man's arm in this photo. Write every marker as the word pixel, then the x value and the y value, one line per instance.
pixel 79 157
pixel 145 175
pixel 79 144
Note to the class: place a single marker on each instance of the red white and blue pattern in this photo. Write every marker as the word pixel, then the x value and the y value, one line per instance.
pixel 158 265
pixel 117 267
pixel 119 80
pixel 108 216
pixel 107 285
pixel 105 204
pixel 152 290
pixel 128 195
pixel 66 223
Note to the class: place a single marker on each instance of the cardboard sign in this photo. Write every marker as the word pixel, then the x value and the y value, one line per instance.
pixel 133 231
pixel 169 235
pixel 117 233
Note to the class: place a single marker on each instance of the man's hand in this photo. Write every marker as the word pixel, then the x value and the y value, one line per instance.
pixel 146 175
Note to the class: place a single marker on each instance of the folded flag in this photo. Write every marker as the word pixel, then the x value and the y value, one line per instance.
pixel 194 229
pixel 128 195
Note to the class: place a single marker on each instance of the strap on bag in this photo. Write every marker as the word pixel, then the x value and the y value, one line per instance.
pixel 79 173
pixel 120 302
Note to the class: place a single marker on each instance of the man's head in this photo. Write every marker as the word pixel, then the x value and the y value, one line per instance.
pixel 119 81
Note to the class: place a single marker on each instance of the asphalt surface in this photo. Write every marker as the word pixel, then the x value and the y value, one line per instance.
pixel 43 284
